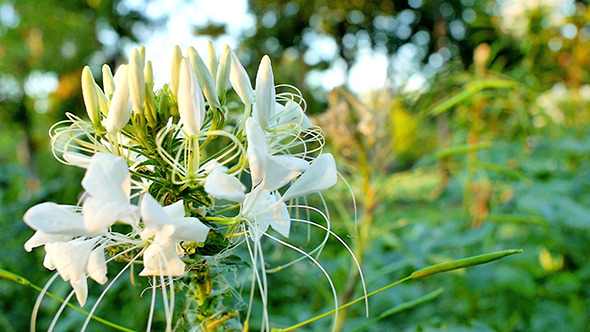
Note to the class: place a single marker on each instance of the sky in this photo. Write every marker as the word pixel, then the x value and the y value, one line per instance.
pixel 370 72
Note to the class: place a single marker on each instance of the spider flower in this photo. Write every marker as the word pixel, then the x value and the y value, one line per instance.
pixel 164 156
pixel 167 225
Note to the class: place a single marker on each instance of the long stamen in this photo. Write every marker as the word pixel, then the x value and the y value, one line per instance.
pixel 153 304
pixel 38 301
pixel 326 274
pixel 60 310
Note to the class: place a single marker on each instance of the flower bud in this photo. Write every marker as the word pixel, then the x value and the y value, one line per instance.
pixel 265 93
pixel 142 55
pixel 240 81
pixel 204 77
pixel 136 81
pixel 148 73
pixel 108 82
pixel 211 60
pixel 222 77
pixel 175 70
pixel 103 102
pixel 191 105
pixel 90 96
pixel 119 111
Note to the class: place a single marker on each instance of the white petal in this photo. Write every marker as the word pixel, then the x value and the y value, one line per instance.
pixel 164 236
pixel 54 219
pixel 108 178
pixel 281 221
pixel 81 288
pixel 97 266
pixel 257 149
pixel 322 174
pixel 77 159
pixel 223 186
pixel 70 258
pixel 240 81
pixel 191 104
pixel 152 213
pixel 292 113
pixel 280 170
pixel 257 229
pixel 263 211
pixel 164 260
pixel 40 238
pixel 189 229
pixel 47 262
pixel 265 93
pixel 175 210
pixel 102 213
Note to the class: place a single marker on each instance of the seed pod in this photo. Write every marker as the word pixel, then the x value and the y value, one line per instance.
pixel 461 263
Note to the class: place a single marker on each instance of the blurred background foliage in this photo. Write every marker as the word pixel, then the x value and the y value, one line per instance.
pixel 477 142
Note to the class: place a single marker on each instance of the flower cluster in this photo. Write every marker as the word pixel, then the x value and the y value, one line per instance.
pixel 181 174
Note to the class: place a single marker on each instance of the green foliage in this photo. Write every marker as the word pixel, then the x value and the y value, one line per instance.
pixel 493 154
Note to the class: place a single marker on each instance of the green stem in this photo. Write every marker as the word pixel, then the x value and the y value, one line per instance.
pixel 18 279
pixel 427 271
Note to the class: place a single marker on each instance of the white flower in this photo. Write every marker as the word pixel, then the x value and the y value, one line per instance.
pixel 108 183
pixel 191 105
pixel 263 209
pixel 162 260
pixel 276 171
pixel 264 206
pixel 74 261
pixel 167 225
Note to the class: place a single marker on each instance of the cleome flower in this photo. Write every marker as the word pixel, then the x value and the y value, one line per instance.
pixel 161 167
